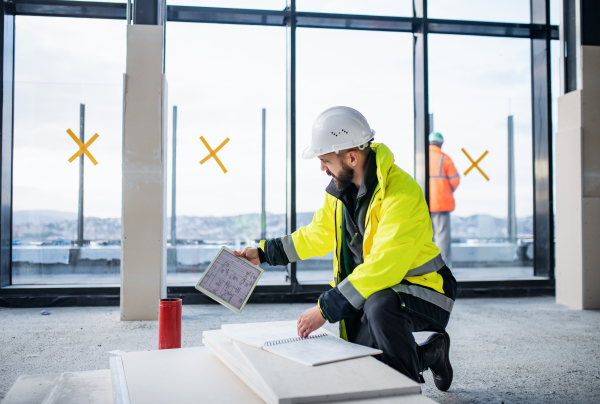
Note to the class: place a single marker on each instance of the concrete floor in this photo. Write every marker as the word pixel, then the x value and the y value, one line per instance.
pixel 526 350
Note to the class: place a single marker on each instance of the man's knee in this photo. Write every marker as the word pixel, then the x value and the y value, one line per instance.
pixel 381 305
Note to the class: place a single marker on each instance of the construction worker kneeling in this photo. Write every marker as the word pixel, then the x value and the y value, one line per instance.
pixel 389 277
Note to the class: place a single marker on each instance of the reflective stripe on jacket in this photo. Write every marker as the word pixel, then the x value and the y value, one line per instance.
pixel 443 180
pixel 397 242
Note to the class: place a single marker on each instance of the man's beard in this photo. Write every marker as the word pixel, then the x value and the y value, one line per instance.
pixel 344 178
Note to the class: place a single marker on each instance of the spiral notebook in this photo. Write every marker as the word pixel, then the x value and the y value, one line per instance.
pixel 318 348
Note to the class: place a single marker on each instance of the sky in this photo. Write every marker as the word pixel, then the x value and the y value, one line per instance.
pixel 221 76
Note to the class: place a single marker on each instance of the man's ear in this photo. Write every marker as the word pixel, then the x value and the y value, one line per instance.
pixel 353 158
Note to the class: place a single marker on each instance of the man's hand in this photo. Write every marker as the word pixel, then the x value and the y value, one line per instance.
pixel 251 254
pixel 309 321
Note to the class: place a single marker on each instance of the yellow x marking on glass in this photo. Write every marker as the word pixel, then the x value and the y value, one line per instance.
pixel 83 148
pixel 474 164
pixel 213 153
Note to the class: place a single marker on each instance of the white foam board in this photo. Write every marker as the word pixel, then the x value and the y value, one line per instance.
pixel 348 380
pixel 223 349
pixel 90 387
pixel 186 375
pixel 292 382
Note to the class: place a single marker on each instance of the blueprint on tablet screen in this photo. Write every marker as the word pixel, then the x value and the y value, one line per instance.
pixel 230 278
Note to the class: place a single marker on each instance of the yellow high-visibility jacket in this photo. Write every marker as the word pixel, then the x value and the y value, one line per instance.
pixel 397 244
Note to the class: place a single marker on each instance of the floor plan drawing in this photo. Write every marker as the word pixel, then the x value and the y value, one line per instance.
pixel 230 278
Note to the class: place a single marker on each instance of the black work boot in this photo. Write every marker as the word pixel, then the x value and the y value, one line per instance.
pixel 434 355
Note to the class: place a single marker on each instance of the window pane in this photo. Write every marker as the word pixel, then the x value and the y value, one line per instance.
pixel 555 12
pixel 484 10
pixel 368 71
pixel 472 98
pixel 60 63
pixel 373 7
pixel 220 78
pixel 554 66
pixel 253 4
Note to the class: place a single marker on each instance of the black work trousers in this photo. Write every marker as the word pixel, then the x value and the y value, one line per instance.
pixel 384 324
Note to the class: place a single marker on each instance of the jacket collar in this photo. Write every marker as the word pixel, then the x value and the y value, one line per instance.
pixel 385 161
pixel 370 178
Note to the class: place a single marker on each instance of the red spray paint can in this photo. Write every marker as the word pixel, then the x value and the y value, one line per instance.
pixel 169 324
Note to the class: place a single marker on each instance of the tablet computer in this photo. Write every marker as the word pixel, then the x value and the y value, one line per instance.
pixel 229 280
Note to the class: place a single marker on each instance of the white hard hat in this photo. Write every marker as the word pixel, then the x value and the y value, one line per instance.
pixel 336 129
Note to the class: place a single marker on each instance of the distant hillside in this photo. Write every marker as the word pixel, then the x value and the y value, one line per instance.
pixel 54 226
pixel 41 216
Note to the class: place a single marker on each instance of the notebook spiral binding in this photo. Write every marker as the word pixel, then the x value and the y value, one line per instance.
pixel 288 340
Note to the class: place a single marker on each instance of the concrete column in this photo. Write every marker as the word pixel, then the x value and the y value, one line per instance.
pixel 578 188
pixel 143 254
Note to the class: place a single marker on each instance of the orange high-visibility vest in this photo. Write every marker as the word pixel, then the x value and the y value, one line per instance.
pixel 443 180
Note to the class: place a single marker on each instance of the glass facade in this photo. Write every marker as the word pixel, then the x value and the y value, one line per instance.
pixel 214 208
pixel 221 77
pixel 478 101
pixel 59 64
